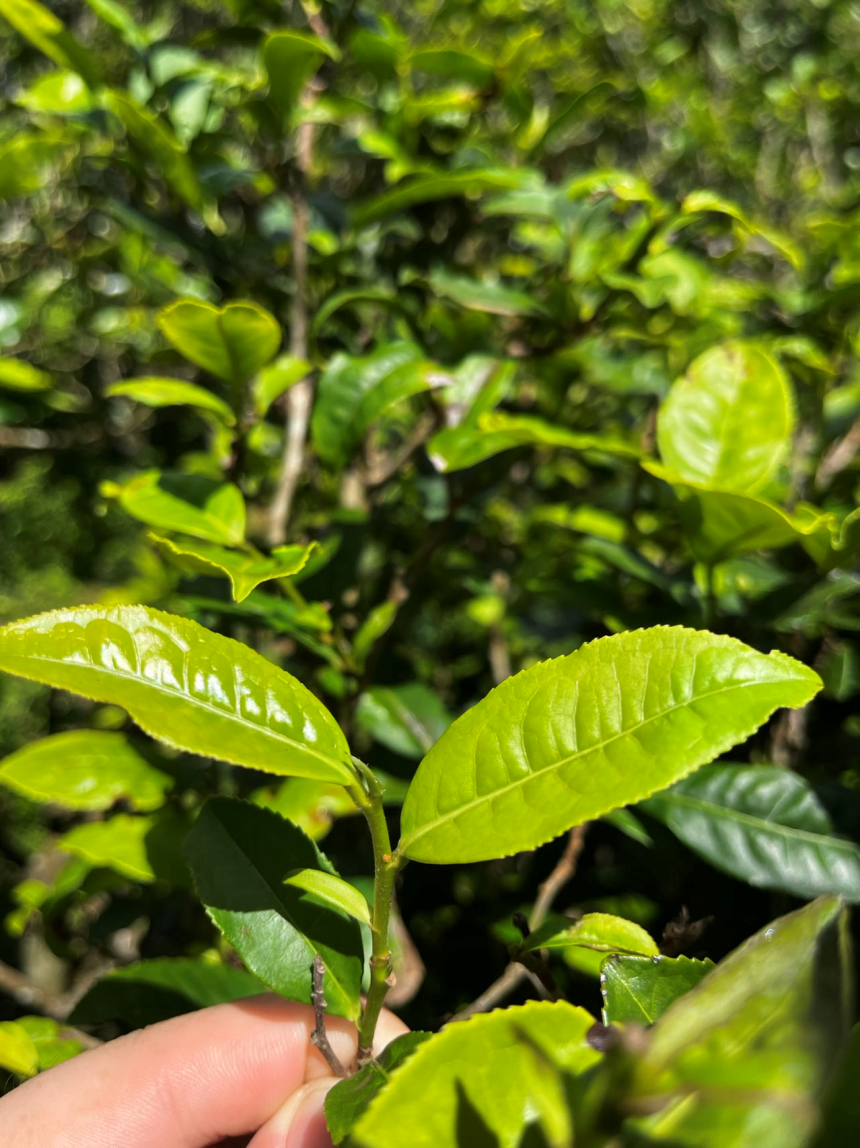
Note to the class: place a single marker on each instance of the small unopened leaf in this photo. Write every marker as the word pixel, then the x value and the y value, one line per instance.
pixel 85 769
pixel 240 855
pixel 641 988
pixel 571 739
pixel 184 685
pixel 232 342
pixel 246 569
pixel 349 1098
pixel 159 392
pixel 601 932
pixel 330 890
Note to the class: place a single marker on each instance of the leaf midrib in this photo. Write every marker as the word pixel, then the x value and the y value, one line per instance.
pixel 820 840
pixel 562 762
pixel 234 717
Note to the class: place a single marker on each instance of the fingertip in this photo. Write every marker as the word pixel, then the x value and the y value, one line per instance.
pixel 301 1122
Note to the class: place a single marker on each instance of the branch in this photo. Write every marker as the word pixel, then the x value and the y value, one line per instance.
pixel 319 1037
pixel 516 973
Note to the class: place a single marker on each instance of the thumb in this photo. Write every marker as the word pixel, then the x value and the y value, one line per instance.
pixel 300 1123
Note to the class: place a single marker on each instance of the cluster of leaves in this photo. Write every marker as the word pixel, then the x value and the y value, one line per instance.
pixel 413 350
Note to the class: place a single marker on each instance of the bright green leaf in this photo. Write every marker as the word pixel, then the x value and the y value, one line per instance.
pixel 49 34
pixel 468 444
pixel 600 932
pixel 728 423
pixel 52 1044
pixel 763 825
pixel 570 739
pixel 85 769
pixel 17 1052
pixel 18 375
pixel 272 381
pixel 142 848
pixel 480 1075
pixel 331 891
pixel 240 855
pixel 184 685
pixel 246 569
pixel 188 504
pixel 161 392
pixel 640 989
pixel 58 94
pixel 232 342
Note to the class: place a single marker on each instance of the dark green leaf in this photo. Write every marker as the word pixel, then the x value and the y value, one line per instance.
pixel 641 988
pixel 349 1098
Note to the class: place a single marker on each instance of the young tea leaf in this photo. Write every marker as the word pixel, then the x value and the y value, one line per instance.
pixel 763 825
pixel 475 1082
pixel 85 769
pixel 332 891
pixel 641 988
pixel 246 569
pixel 240 856
pixel 188 687
pixel 600 932
pixel 161 392
pixel 232 342
pixel 188 504
pixel 572 739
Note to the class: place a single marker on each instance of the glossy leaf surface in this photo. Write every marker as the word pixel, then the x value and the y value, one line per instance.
pixel 641 988
pixel 406 719
pixel 763 825
pixel 240 855
pixel 480 1074
pixel 162 392
pixel 246 569
pixel 232 342
pixel 574 738
pixel 85 769
pixel 150 991
pixel 331 891
pixel 184 685
pixel 755 1042
pixel 472 442
pixel 600 932
pixel 354 392
pixel 349 1098
pixel 727 423
pixel 188 504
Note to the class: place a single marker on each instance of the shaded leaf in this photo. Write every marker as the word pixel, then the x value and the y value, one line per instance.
pixel 239 855
pixel 427 188
pixel 150 991
pixel 641 988
pixel 184 685
pixel 49 34
pixel 564 741
pixel 85 769
pixel 763 825
pixel 349 1098
pixel 290 59
pixel 406 719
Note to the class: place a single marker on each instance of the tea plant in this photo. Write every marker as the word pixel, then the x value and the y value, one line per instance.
pixel 405 349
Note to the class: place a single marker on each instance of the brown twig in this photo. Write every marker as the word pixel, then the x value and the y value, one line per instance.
pixel 16 985
pixel 838 456
pixel 319 1037
pixel 516 973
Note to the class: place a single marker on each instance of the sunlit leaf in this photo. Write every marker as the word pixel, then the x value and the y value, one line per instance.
pixel 17 1051
pixel 188 504
pixel 145 849
pixel 49 34
pixel 272 381
pixel 331 891
pixel 568 740
pixel 232 342
pixel 246 569
pixel 85 769
pixel 161 392
pixel 641 988
pixel 349 1098
pixel 18 375
pixel 184 685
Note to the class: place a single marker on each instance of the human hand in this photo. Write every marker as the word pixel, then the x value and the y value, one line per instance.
pixel 235 1074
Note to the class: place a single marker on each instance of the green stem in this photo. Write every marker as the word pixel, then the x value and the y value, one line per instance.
pixel 386 865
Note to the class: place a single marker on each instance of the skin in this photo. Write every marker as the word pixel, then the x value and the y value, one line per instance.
pixel 233 1075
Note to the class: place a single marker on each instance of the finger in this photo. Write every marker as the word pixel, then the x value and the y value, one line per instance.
pixel 301 1121
pixel 184 1083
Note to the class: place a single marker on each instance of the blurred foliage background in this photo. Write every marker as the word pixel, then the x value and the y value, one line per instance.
pixel 494 233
